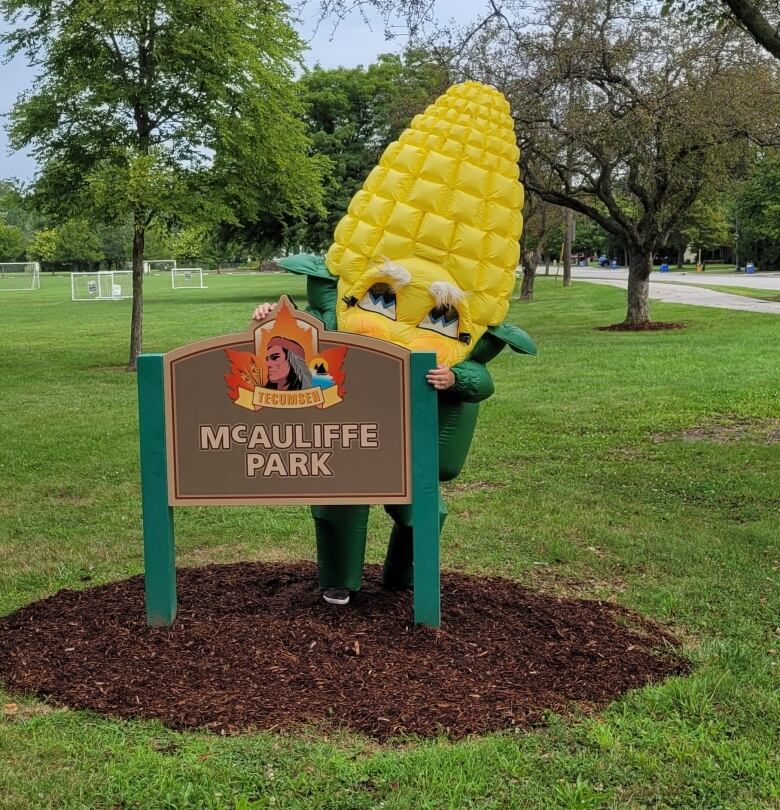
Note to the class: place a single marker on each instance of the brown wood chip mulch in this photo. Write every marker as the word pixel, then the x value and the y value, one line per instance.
pixel 255 647
pixel 648 326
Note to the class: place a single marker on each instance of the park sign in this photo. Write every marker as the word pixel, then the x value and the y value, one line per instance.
pixel 287 412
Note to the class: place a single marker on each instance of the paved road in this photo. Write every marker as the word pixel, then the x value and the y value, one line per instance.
pixel 683 288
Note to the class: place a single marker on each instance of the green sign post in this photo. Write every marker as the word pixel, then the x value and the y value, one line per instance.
pixel 158 527
pixel 165 422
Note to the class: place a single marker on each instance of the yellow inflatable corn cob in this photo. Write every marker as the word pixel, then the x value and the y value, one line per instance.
pixel 426 254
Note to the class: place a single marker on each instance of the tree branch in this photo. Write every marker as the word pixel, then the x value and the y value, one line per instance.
pixel 756 24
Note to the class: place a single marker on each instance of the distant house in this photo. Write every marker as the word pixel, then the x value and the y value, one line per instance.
pixel 721 255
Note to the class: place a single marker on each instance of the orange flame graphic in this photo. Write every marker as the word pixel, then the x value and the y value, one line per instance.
pixel 244 372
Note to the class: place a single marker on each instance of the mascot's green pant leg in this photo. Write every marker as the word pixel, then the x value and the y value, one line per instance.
pixel 398 571
pixel 341 545
pixel 341 530
pixel 457 421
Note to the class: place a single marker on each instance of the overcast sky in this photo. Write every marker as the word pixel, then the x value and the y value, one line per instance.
pixel 352 43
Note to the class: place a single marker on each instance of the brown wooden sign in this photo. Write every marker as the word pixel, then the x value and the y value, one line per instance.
pixel 286 413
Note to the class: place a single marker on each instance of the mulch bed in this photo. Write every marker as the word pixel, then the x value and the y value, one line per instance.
pixel 255 647
pixel 649 326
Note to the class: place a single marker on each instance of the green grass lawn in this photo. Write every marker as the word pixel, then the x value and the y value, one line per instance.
pixel 747 292
pixel 581 481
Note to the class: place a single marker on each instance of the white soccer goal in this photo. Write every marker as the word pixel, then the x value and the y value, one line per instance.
pixel 106 285
pixel 187 278
pixel 20 276
pixel 160 266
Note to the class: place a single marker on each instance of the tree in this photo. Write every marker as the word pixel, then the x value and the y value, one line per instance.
pixel 413 13
pixel 760 21
pixel 78 245
pixel 542 223
pixel 592 240
pixel 11 242
pixel 618 129
pixel 158 243
pixel 763 27
pixel 43 246
pixel 161 111
pixel 758 207
pixel 189 244
pixel 116 243
pixel 626 116
pixel 16 208
pixel 758 18
pixel 703 227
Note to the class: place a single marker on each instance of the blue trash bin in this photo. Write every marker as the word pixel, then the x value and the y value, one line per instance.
pixel 750 267
pixel 664 268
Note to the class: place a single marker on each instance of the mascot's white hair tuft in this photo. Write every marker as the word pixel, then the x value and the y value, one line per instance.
pixel 446 294
pixel 398 275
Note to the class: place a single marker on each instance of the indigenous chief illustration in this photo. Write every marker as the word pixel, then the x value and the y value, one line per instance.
pixel 285 364
pixel 287 358
pixel 424 258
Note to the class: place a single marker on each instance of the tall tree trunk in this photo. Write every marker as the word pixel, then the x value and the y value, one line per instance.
pixel 530 261
pixel 567 238
pixel 680 256
pixel 640 263
pixel 141 218
pixel 137 319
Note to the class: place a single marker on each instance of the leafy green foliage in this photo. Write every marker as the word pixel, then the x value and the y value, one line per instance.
pixel 16 209
pixel 11 242
pixel 761 20
pixel 758 207
pixel 592 240
pixel 43 245
pixel 704 226
pixel 116 243
pixel 188 244
pixel 78 244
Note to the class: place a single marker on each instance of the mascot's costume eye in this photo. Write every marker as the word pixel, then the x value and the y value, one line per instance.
pixel 425 257
pixel 443 320
pixel 381 299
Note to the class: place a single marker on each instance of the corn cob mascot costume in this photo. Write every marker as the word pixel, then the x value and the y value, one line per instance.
pixel 425 258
